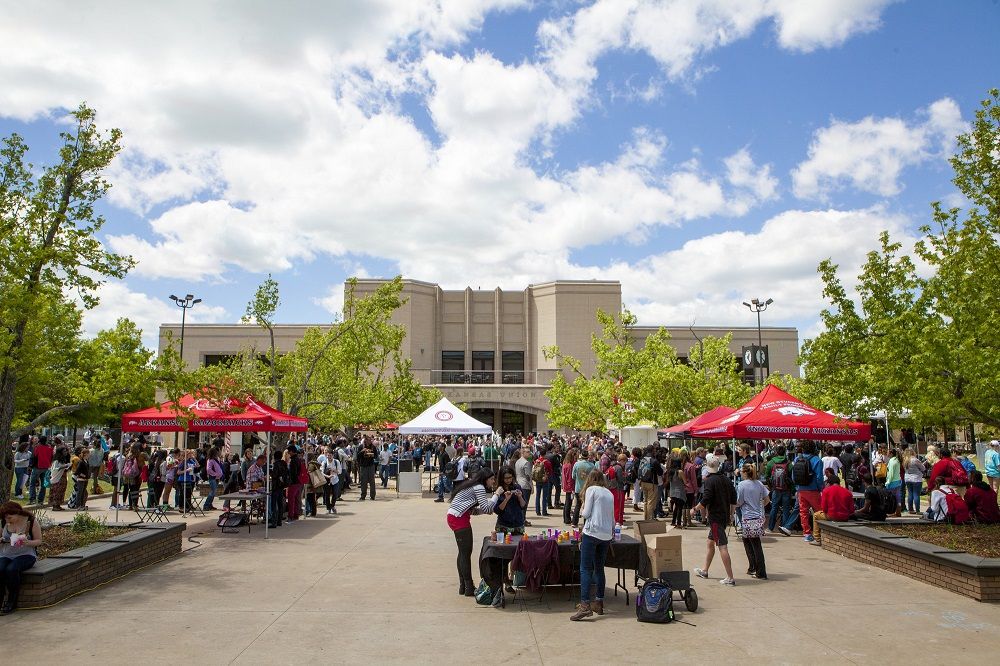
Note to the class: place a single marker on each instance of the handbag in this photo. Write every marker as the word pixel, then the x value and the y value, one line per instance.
pixel 484 595
pixel 753 528
pixel 317 479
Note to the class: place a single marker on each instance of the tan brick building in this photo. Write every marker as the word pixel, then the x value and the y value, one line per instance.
pixel 484 347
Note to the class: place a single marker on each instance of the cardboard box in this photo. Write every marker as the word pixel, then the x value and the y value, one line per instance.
pixel 665 552
pixel 643 527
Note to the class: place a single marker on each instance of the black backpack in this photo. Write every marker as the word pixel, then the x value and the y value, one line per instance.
pixel 631 471
pixel 888 499
pixel 655 602
pixel 802 471
pixel 451 470
pixel 473 467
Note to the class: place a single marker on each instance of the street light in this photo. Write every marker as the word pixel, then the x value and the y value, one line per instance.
pixel 186 303
pixel 758 306
pixel 189 301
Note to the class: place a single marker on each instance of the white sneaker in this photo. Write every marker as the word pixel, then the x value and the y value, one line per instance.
pixel 701 573
pixel 729 582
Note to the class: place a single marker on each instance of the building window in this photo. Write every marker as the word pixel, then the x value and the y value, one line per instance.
pixel 482 367
pixel 453 367
pixel 513 367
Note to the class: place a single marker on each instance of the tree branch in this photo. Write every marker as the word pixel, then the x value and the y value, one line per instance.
pixel 48 414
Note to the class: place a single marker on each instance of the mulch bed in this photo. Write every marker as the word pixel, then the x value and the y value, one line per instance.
pixel 981 540
pixel 61 538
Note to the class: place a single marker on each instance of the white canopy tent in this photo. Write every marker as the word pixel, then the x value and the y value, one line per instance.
pixel 444 418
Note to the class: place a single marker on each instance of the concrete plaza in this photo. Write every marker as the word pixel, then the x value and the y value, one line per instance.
pixel 377 584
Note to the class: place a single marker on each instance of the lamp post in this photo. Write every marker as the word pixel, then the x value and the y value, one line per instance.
pixel 185 304
pixel 189 301
pixel 758 306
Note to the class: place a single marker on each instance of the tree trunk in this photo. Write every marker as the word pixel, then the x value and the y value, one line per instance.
pixel 8 383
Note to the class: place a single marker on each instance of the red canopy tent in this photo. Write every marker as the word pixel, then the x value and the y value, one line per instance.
pixel 233 415
pixel 707 417
pixel 773 413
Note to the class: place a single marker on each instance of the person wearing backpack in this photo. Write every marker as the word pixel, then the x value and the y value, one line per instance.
pixel 131 475
pixel 541 470
pixel 632 476
pixel 807 475
pixel 442 461
pixel 650 471
pixel 778 477
pixel 878 502
pixel 949 469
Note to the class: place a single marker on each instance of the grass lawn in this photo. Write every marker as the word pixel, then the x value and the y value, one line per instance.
pixel 981 540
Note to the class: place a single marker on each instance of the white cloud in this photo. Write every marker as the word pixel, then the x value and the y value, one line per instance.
pixel 806 26
pixel 333 301
pixel 274 134
pixel 118 300
pixel 677 33
pixel 871 153
pixel 708 278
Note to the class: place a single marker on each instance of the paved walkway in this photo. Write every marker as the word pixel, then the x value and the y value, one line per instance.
pixel 377 583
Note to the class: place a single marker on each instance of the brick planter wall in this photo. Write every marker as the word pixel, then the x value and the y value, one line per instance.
pixel 55 578
pixel 965 574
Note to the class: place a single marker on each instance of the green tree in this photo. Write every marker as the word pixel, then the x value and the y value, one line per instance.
pixel 261 310
pixel 633 383
pixel 924 340
pixel 353 372
pixel 48 246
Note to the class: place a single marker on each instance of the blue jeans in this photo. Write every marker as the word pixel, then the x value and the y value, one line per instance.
pixel 20 474
pixel 781 500
pixel 593 553
pixel 792 522
pixel 383 474
pixel 10 573
pixel 213 485
pixel 913 495
pixel 444 485
pixel 36 477
pixel 543 495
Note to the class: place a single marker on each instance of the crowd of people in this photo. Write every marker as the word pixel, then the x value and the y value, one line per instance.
pixel 784 487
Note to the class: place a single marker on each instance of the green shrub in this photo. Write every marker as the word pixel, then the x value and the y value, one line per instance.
pixel 86 524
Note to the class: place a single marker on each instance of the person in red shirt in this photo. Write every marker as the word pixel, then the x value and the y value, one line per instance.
pixel 942 468
pixel 982 500
pixel 836 503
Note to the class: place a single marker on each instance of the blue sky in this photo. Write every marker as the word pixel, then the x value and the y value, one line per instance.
pixel 702 152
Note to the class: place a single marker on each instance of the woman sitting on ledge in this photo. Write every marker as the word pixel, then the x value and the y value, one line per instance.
pixel 21 534
pixel 982 500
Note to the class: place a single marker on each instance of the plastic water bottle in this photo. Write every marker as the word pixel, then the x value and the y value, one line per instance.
pixel 618 532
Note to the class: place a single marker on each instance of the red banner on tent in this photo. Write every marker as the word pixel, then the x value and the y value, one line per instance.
pixel 774 414
pixel 233 415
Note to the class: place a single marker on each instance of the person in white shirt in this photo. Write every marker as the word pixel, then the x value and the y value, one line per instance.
pixel 384 457
pixel 831 461
pixel 938 510
pixel 598 530
pixel 462 464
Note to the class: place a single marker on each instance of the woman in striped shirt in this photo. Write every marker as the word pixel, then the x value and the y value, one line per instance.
pixel 471 497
